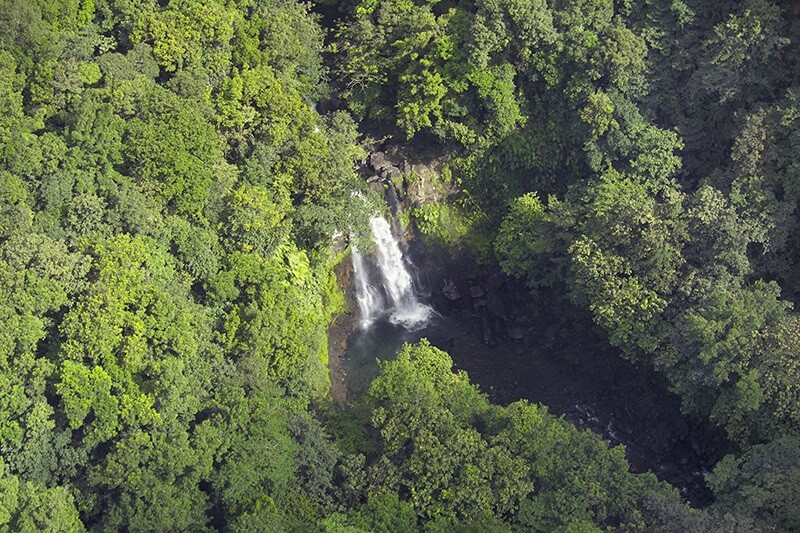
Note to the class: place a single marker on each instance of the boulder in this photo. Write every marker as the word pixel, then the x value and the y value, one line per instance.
pixel 515 333
pixel 378 161
pixel 476 291
pixel 451 291
pixel 390 172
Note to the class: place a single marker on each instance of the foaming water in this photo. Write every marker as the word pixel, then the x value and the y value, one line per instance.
pixel 385 289
pixel 405 308
pixel 371 303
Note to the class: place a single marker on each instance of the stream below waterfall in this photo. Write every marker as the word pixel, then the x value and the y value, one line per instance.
pixel 571 371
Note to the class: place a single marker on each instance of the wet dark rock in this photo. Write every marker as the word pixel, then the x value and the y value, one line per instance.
pixel 398 191
pixel 391 172
pixel 515 333
pixel 551 331
pixel 387 166
pixel 496 306
pixel 496 281
pixel 681 427
pixel 476 291
pixel 451 291
pixel 378 161
pixel 450 343
pixel 467 312
pixel 486 327
pixel 392 198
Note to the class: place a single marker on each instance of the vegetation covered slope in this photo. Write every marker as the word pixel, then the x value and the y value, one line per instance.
pixel 168 195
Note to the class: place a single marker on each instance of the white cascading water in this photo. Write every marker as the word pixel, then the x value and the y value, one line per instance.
pixel 406 309
pixel 370 300
pixel 394 292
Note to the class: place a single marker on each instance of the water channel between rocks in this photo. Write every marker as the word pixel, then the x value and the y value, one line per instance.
pixel 574 373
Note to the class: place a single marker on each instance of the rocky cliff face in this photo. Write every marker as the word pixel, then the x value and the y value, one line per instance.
pixel 413 177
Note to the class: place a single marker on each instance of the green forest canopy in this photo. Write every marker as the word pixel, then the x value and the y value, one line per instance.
pixel 168 194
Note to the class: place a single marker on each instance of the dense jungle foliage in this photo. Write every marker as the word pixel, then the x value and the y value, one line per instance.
pixel 168 198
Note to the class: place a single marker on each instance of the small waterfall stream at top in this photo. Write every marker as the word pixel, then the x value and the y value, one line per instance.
pixel 401 302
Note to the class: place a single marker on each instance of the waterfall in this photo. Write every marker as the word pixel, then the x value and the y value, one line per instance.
pixel 394 292
pixel 370 300
pixel 406 309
